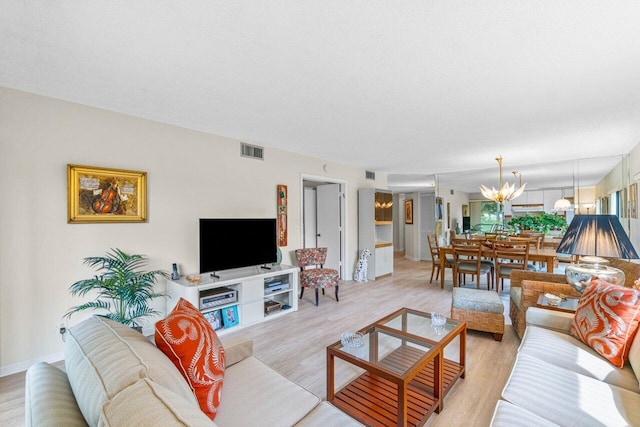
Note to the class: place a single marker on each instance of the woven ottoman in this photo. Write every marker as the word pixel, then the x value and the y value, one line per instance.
pixel 482 310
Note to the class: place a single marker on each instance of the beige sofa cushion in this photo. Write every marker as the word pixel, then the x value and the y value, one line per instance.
pixel 256 395
pixel 48 396
pixel 236 349
pixel 103 357
pixel 567 352
pixel 634 355
pixel 162 407
pixel 549 319
pixel 509 415
pixel 565 397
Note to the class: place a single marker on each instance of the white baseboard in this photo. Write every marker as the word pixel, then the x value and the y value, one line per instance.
pixel 411 258
pixel 24 365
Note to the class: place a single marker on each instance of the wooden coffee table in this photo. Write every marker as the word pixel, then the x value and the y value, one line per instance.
pixel 406 375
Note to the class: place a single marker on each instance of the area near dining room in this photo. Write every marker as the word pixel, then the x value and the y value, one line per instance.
pixel 450 202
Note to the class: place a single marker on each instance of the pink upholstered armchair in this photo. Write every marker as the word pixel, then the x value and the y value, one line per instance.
pixel 318 277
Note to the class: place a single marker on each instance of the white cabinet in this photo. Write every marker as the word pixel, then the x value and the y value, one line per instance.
pixel 375 230
pixel 384 259
pixel 255 288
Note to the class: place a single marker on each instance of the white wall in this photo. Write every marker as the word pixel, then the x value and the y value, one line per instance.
pixel 190 175
pixel 634 173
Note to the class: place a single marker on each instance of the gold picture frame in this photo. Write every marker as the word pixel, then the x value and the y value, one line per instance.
pixel 97 194
pixel 633 200
pixel 408 211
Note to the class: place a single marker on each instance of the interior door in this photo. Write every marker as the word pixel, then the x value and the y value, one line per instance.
pixel 329 200
pixel 309 219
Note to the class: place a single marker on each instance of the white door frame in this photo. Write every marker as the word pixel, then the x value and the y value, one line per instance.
pixel 343 215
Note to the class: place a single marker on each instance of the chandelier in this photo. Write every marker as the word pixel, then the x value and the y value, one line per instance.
pixel 504 193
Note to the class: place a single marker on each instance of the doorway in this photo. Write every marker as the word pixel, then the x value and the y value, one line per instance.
pixel 323 219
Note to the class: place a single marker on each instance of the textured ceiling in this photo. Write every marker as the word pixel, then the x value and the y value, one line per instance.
pixel 414 87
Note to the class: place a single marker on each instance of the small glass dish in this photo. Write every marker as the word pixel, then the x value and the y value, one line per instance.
pixel 438 319
pixel 352 339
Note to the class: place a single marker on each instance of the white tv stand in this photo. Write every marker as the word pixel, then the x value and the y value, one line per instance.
pixel 251 283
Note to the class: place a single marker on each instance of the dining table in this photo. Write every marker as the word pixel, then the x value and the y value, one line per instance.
pixel 544 254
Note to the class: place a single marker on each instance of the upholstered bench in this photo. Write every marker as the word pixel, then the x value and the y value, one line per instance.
pixel 482 310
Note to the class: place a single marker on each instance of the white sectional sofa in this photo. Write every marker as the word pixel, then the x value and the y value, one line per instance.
pixel 117 377
pixel 558 380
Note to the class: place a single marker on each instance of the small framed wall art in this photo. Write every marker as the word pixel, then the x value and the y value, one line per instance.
pixel 105 195
pixel 633 200
pixel 408 211
pixel 282 215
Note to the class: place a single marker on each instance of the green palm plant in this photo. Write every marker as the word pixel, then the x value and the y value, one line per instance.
pixel 124 289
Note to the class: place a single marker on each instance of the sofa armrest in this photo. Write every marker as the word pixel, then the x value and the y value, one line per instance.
pixel 550 319
pixel 49 399
pixel 236 349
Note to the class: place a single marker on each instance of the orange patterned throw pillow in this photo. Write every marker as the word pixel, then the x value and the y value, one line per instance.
pixel 193 346
pixel 607 319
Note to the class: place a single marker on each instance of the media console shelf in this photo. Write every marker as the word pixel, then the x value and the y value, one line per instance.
pixel 255 287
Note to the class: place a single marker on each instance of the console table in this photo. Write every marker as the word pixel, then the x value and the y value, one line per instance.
pixel 255 292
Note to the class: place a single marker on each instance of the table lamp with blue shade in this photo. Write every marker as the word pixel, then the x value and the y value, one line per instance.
pixel 594 238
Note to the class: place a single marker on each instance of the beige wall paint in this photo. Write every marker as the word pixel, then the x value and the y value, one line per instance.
pixel 190 175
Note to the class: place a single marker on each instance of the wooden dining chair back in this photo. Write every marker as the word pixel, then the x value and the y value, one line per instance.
pixel 434 249
pixel 509 256
pixel 529 241
pixel 461 239
pixel 467 259
pixel 537 236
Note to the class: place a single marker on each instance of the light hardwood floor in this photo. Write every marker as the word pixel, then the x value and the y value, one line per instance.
pixel 295 345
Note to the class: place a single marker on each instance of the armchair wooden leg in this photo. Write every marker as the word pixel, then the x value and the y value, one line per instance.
pixel 317 295
pixel 301 292
pixel 337 293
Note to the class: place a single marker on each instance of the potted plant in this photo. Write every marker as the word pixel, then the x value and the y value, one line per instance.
pixel 124 289
pixel 541 223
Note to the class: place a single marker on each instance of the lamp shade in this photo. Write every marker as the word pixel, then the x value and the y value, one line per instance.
pixel 562 205
pixel 597 235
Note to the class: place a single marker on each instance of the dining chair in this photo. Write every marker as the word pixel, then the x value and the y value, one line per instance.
pixel 535 243
pixel 467 259
pixel 317 277
pixel 509 256
pixel 434 248
pixel 539 237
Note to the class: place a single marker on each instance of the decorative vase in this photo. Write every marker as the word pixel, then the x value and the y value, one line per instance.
pixel 580 275
pixel 278 257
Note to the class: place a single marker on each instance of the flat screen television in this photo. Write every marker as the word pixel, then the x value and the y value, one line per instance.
pixel 227 243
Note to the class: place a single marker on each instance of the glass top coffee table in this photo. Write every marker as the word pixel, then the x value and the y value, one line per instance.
pixel 406 375
pixel 567 305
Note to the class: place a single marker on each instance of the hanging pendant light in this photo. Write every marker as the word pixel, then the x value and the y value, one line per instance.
pixel 504 193
pixel 563 205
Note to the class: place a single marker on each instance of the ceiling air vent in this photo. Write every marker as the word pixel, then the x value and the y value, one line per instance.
pixel 370 175
pixel 253 151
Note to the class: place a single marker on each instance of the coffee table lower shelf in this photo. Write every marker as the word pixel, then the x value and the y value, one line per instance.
pixel 374 401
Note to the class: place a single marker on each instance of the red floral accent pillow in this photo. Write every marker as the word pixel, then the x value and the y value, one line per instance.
pixel 188 339
pixel 607 319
